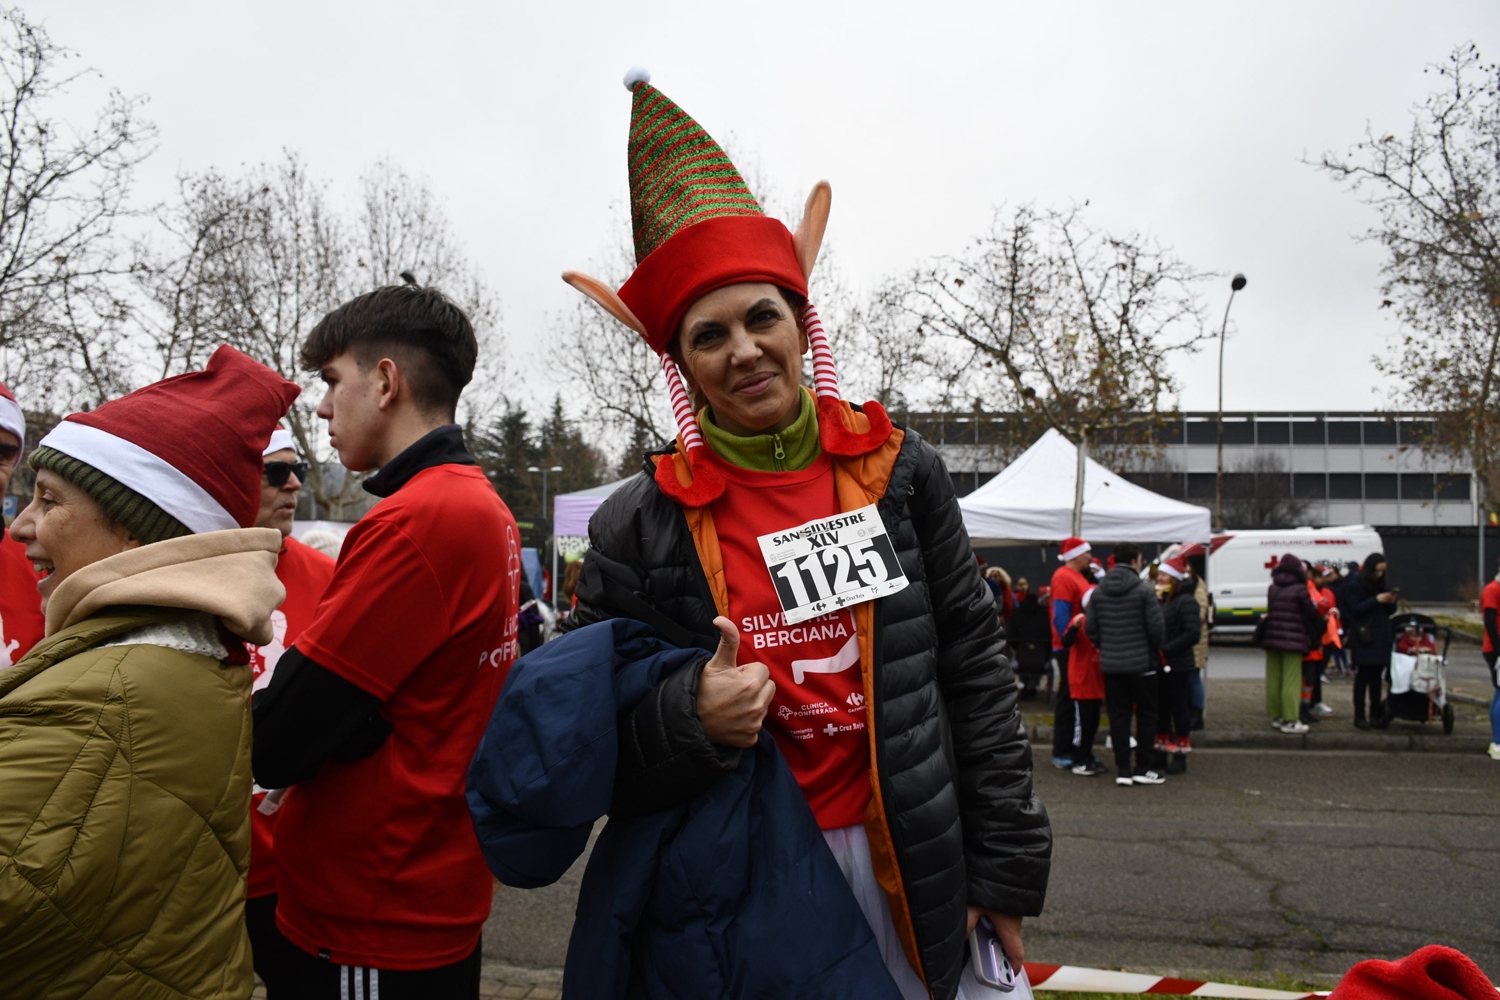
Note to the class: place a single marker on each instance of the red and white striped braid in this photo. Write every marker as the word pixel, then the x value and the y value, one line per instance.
pixel 682 406
pixel 825 375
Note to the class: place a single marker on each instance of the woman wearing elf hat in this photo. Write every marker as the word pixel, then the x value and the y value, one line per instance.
pixel 822 549
pixel 125 733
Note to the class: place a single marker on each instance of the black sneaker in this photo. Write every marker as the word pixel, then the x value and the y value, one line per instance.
pixel 1089 769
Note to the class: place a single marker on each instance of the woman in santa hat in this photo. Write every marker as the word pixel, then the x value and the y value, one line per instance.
pixel 1184 624
pixel 821 549
pixel 125 733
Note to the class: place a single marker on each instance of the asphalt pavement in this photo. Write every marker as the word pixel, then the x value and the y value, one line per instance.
pixel 1257 863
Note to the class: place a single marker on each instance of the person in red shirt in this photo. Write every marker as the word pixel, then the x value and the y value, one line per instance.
pixel 21 620
pixel 374 713
pixel 1086 684
pixel 1489 607
pixel 1068 586
pixel 305 573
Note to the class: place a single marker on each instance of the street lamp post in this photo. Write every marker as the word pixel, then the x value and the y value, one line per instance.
pixel 1237 283
pixel 544 470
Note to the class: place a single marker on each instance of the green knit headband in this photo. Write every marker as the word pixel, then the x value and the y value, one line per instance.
pixel 145 521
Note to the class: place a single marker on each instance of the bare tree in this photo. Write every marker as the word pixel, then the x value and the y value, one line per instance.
pixel 400 225
pixel 1065 326
pixel 1262 495
pixel 63 192
pixel 1436 189
pixel 256 259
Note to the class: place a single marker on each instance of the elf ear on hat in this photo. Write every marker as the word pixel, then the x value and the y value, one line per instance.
pixel 697 229
pixel 1072 548
pixel 181 456
pixel 11 417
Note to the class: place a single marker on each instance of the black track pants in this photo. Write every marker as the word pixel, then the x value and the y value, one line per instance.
pixel 1128 695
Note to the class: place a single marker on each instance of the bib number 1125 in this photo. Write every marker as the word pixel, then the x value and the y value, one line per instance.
pixel 832 563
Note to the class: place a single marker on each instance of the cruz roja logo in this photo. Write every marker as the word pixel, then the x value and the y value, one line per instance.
pixel 855 701
pixel 832 729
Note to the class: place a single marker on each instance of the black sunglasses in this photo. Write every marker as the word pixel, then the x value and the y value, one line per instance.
pixel 8 452
pixel 277 473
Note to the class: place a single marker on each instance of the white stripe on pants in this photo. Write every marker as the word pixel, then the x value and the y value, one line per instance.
pixel 851 849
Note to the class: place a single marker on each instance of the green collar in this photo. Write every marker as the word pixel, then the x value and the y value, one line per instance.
pixel 793 449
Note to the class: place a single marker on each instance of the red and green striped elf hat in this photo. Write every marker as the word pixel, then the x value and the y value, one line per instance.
pixel 698 228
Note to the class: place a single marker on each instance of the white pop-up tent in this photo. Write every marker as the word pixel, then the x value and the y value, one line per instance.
pixel 571 511
pixel 1031 500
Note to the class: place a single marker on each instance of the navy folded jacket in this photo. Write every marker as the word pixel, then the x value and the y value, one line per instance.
pixel 733 895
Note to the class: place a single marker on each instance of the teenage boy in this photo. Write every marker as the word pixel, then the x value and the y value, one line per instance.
pixel 375 712
pixel 305 573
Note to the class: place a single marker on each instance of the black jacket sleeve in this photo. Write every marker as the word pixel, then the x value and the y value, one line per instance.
pixel 1492 628
pixel 309 714
pixel 665 758
pixel 1189 626
pixel 1007 837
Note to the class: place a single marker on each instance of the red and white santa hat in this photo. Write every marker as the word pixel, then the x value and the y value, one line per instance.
pixel 1175 568
pixel 281 440
pixel 191 444
pixel 11 417
pixel 1072 548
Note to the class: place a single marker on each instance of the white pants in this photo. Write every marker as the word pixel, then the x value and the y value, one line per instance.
pixel 851 849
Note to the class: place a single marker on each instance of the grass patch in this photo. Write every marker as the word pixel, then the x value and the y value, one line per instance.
pixel 1461 626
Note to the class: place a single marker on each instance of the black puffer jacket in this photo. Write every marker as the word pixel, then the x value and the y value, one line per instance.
pixel 1291 616
pixel 1367 615
pixel 1184 625
pixel 1124 621
pixel 953 759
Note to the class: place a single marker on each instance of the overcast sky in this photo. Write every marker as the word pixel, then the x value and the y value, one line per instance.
pixel 1185 120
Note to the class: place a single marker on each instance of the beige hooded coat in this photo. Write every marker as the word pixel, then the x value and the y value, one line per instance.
pixel 125 777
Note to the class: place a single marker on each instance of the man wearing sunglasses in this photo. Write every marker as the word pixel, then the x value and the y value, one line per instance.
pixel 21 621
pixel 305 572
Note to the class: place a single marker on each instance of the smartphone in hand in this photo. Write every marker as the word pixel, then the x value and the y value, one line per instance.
pixel 991 965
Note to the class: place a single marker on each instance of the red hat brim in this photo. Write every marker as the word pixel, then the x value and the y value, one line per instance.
pixel 702 258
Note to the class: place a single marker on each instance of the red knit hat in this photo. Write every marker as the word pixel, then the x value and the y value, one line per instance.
pixel 190 444
pixel 697 229
pixel 1072 548
pixel 1430 973
pixel 11 417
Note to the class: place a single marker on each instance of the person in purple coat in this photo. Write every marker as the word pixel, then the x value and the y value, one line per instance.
pixel 1290 619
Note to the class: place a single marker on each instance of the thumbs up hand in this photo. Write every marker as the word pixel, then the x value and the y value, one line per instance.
pixel 733 699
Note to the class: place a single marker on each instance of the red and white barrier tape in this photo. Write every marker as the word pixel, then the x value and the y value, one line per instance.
pixel 1078 979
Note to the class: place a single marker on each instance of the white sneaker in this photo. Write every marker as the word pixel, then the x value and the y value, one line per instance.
pixel 1294 728
pixel 1322 708
pixel 1495 751
pixel 1124 779
pixel 1149 778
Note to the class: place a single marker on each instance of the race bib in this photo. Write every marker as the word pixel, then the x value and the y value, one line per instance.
pixel 832 563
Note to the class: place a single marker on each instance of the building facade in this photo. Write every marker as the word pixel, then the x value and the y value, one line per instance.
pixel 1326 468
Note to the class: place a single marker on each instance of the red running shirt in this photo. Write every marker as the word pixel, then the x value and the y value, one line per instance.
pixel 377 862
pixel 1489 597
pixel 818 714
pixel 22 623
pixel 305 573
pixel 1067 585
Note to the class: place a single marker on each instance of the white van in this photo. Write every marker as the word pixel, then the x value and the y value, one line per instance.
pixel 1239 570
